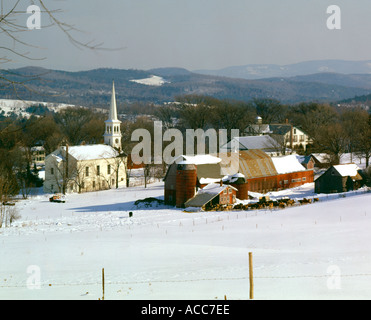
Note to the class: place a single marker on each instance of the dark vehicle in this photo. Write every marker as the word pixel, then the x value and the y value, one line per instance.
pixel 57 198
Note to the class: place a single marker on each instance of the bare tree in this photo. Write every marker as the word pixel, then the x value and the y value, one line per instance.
pixel 12 28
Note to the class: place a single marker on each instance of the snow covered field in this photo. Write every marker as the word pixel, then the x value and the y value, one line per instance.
pixel 314 251
pixel 151 81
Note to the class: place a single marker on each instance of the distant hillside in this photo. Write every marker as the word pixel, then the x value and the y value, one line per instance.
pixel 365 99
pixel 260 71
pixel 93 87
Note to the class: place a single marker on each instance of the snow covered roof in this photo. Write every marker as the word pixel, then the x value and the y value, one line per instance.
pixel 347 169
pixel 234 177
pixel 198 159
pixel 214 188
pixel 206 194
pixel 92 152
pixel 208 180
pixel 287 164
pixel 321 157
pixel 264 142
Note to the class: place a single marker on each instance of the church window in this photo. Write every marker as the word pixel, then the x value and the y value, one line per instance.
pixel 109 169
pixel 87 171
pixel 51 170
pixel 98 170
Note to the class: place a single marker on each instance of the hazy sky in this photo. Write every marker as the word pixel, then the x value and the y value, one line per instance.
pixel 201 34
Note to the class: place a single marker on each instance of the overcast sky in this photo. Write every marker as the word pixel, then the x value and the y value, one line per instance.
pixel 201 34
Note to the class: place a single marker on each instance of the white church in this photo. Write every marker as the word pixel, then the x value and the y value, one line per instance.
pixel 87 168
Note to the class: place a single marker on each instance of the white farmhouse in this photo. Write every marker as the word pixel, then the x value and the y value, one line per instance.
pixel 283 133
pixel 89 167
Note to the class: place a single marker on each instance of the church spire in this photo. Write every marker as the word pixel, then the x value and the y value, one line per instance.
pixel 113 108
pixel 112 135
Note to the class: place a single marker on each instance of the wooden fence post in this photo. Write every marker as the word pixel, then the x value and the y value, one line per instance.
pixel 103 283
pixel 251 277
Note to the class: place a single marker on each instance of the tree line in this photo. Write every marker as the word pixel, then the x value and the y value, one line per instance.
pixel 333 130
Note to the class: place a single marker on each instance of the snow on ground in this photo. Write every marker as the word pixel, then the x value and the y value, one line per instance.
pixel 151 81
pixel 20 106
pixel 162 252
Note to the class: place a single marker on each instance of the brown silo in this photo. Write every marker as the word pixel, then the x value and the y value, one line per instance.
pixel 186 180
pixel 242 190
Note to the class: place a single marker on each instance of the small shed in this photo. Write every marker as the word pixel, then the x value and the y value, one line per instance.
pixel 213 194
pixel 339 178
pixel 307 162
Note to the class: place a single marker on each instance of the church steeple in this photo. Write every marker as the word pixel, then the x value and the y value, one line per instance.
pixel 112 135
pixel 113 108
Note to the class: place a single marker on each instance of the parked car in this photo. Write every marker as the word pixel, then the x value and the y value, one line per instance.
pixel 58 197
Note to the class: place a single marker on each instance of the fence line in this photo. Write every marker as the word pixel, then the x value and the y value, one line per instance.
pixel 187 280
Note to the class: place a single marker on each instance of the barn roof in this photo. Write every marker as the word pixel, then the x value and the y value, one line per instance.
pixel 264 142
pixel 207 194
pixel 199 200
pixel 257 142
pixel 346 170
pixel 287 164
pixel 214 188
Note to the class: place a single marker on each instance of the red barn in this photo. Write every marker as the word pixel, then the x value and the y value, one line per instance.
pixel 213 194
pixel 248 170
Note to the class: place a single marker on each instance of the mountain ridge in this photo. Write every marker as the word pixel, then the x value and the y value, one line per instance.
pixel 93 87
pixel 260 71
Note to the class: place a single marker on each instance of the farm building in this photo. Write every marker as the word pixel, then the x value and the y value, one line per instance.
pixel 292 136
pixel 307 162
pixel 339 178
pixel 213 194
pixel 192 170
pixel 250 170
pixel 321 160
